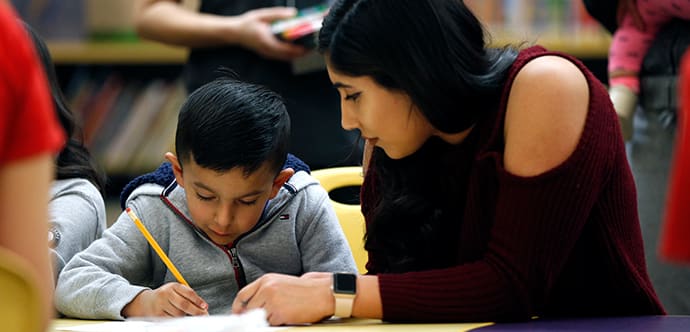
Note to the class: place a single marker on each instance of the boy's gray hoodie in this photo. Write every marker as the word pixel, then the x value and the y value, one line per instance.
pixel 297 233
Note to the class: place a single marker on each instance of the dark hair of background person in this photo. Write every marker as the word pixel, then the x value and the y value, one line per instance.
pixel 435 52
pixel 227 123
pixel 74 160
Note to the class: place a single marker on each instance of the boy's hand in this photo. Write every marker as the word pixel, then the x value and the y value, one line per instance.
pixel 170 300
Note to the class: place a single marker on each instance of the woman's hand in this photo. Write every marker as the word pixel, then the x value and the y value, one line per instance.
pixel 255 27
pixel 289 299
pixel 170 300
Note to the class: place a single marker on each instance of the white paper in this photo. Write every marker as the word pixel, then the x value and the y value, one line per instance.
pixel 250 321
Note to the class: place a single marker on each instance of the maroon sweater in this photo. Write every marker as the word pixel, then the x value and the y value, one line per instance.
pixel 563 243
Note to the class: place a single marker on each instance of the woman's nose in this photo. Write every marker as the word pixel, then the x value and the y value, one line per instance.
pixel 348 120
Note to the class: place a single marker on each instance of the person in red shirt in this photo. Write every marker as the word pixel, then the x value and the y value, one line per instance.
pixel 30 137
pixel 498 188
pixel 676 226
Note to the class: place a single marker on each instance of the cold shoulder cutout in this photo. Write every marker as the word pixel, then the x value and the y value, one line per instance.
pixel 545 115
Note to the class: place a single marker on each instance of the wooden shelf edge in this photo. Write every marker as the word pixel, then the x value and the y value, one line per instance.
pixel 589 46
pixel 156 53
pixel 76 52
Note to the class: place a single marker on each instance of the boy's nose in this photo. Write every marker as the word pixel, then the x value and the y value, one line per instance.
pixel 224 215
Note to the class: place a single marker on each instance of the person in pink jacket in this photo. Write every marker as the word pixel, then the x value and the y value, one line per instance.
pixel 639 22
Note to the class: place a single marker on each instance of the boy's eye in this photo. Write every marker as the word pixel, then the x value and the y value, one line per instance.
pixel 247 202
pixel 204 198
pixel 353 96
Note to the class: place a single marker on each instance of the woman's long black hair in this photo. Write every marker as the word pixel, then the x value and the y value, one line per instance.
pixel 435 52
pixel 74 161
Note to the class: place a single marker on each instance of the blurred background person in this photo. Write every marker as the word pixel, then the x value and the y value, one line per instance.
pixel 31 136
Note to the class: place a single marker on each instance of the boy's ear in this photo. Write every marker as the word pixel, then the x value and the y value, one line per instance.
pixel 280 179
pixel 176 167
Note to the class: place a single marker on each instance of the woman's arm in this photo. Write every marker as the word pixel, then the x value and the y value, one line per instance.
pixel 307 299
pixel 168 21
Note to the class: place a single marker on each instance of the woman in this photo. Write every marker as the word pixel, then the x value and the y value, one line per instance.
pixel 77 208
pixel 498 188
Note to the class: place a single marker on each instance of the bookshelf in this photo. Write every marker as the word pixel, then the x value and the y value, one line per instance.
pixel 149 53
pixel 594 47
pixel 559 25
pixel 126 95
pixel 112 52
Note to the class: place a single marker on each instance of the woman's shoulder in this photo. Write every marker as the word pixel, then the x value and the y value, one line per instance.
pixel 546 111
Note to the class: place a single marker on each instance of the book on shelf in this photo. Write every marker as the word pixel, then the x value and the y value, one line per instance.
pixel 99 105
pixel 114 119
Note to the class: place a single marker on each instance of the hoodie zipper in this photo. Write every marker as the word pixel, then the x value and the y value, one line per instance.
pixel 236 266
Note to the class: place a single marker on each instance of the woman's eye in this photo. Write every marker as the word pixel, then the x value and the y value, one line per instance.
pixel 353 96
pixel 204 198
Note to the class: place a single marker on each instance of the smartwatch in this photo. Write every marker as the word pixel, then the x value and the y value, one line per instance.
pixel 344 291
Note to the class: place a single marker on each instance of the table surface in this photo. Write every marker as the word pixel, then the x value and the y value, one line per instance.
pixel 354 324
pixel 633 324
pixel 628 324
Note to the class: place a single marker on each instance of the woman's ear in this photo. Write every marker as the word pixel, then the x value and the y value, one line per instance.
pixel 176 167
pixel 280 179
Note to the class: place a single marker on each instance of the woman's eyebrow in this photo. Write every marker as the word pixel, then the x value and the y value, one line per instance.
pixel 339 85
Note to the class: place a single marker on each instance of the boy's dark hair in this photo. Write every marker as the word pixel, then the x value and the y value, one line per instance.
pixel 228 123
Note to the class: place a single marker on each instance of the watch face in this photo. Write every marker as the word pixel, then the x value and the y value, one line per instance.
pixel 344 283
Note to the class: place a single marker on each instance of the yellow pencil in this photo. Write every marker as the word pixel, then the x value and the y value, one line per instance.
pixel 156 247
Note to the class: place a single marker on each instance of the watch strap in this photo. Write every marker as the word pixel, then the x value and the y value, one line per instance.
pixel 343 305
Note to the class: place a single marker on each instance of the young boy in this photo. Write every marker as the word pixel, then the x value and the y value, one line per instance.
pixel 231 214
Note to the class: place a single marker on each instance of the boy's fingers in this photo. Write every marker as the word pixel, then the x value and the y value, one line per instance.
pixel 190 302
pixel 188 308
pixel 172 310
pixel 244 296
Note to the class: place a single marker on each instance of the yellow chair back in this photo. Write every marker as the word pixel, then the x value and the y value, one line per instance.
pixel 20 308
pixel 350 215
